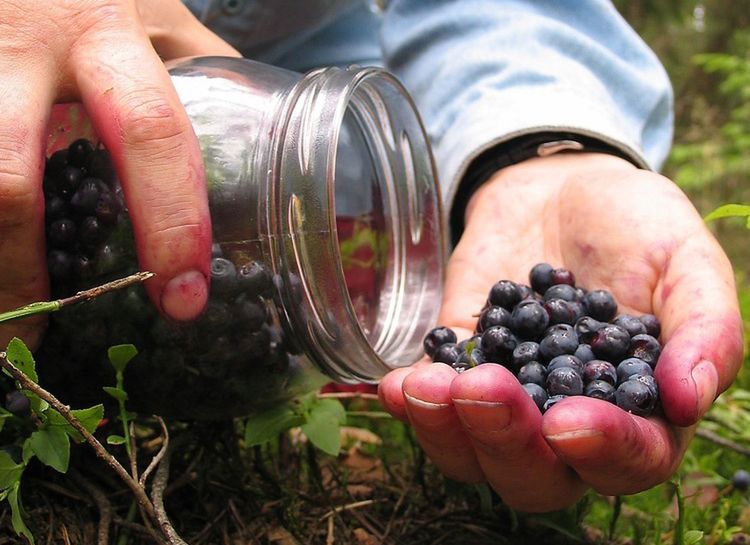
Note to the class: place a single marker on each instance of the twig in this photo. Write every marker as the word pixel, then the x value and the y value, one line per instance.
pixel 44 307
pixel 102 503
pixel 157 496
pixel 722 441
pixel 101 452
pixel 348 506
pixel 395 511
pixel 159 455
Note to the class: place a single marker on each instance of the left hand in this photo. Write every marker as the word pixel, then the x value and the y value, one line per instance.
pixel 629 231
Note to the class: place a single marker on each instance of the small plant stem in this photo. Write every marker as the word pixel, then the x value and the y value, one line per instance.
pixel 722 441
pixel 616 510
pixel 159 455
pixel 101 452
pixel 102 503
pixel 679 528
pixel 157 495
pixel 45 307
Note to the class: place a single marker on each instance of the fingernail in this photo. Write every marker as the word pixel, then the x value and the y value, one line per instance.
pixel 706 382
pixel 483 415
pixel 184 297
pixel 577 443
pixel 426 413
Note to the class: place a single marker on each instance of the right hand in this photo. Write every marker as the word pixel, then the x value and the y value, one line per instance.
pixel 106 55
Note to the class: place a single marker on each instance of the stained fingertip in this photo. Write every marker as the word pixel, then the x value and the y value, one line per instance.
pixel 390 393
pixel 184 297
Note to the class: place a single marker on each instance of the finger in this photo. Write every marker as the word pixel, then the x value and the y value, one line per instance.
pixel 431 413
pixel 612 450
pixel 391 390
pixel 175 32
pixel 136 112
pixel 701 326
pixel 26 100
pixel 504 426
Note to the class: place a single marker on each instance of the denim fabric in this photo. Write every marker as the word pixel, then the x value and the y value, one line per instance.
pixel 480 71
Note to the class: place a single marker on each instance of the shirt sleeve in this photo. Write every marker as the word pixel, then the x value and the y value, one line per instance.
pixel 485 71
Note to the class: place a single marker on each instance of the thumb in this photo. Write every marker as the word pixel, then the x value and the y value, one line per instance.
pixel 175 32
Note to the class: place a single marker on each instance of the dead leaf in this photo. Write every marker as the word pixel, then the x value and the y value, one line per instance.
pixel 364 538
pixel 281 536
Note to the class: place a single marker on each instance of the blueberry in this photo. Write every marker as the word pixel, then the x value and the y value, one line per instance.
pixel 600 304
pixel 586 327
pixel 631 324
pixel 562 340
pixel 216 318
pixel 646 348
pixel 255 345
pixel 79 151
pixel 491 316
pixel 526 292
pixel 55 208
pixel 59 265
pixel 498 343
pixel 537 394
pixel 524 353
pixel 476 341
pixel 584 353
pixel 108 259
pixel 254 278
pixel 100 165
pixel 565 360
pixel 216 250
pixel 85 197
pixel 91 232
pixel 167 333
pixel 472 358
pixel 83 267
pixel 436 337
pixel 741 480
pixel 17 404
pixel 540 277
pixel 108 208
pixel 563 312
pixel 630 367
pixel 223 277
pixel 460 366
pixel 529 320
pixel 610 343
pixel 600 370
pixel 564 381
pixel 649 381
pixel 552 401
pixel 446 353
pixel 563 276
pixel 69 180
pixel 635 397
pixel 653 327
pixel 565 292
pixel 533 373
pixel 504 294
pixel 61 233
pixel 600 389
pixel 56 163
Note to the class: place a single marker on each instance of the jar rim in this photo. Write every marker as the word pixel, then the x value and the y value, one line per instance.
pixel 306 150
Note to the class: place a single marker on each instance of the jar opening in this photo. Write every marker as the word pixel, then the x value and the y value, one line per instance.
pixel 370 293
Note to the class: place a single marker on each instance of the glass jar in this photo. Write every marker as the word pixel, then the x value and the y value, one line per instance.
pixel 328 247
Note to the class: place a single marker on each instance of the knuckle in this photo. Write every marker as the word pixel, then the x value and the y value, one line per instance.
pixel 149 120
pixel 19 194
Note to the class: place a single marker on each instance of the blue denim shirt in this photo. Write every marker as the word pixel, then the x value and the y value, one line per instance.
pixel 480 71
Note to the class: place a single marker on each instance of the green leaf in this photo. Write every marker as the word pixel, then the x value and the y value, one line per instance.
pixel 16 516
pixel 115 440
pixel 693 537
pixel 38 405
pixel 118 393
pixel 52 446
pixel 263 426
pixel 10 472
pixel 21 357
pixel 323 424
pixel 120 354
pixel 730 211
pixel 89 419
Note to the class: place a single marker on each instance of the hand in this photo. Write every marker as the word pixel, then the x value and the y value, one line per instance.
pixel 618 228
pixel 99 53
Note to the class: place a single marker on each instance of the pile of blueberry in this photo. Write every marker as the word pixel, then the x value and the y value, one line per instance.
pixel 233 356
pixel 560 340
